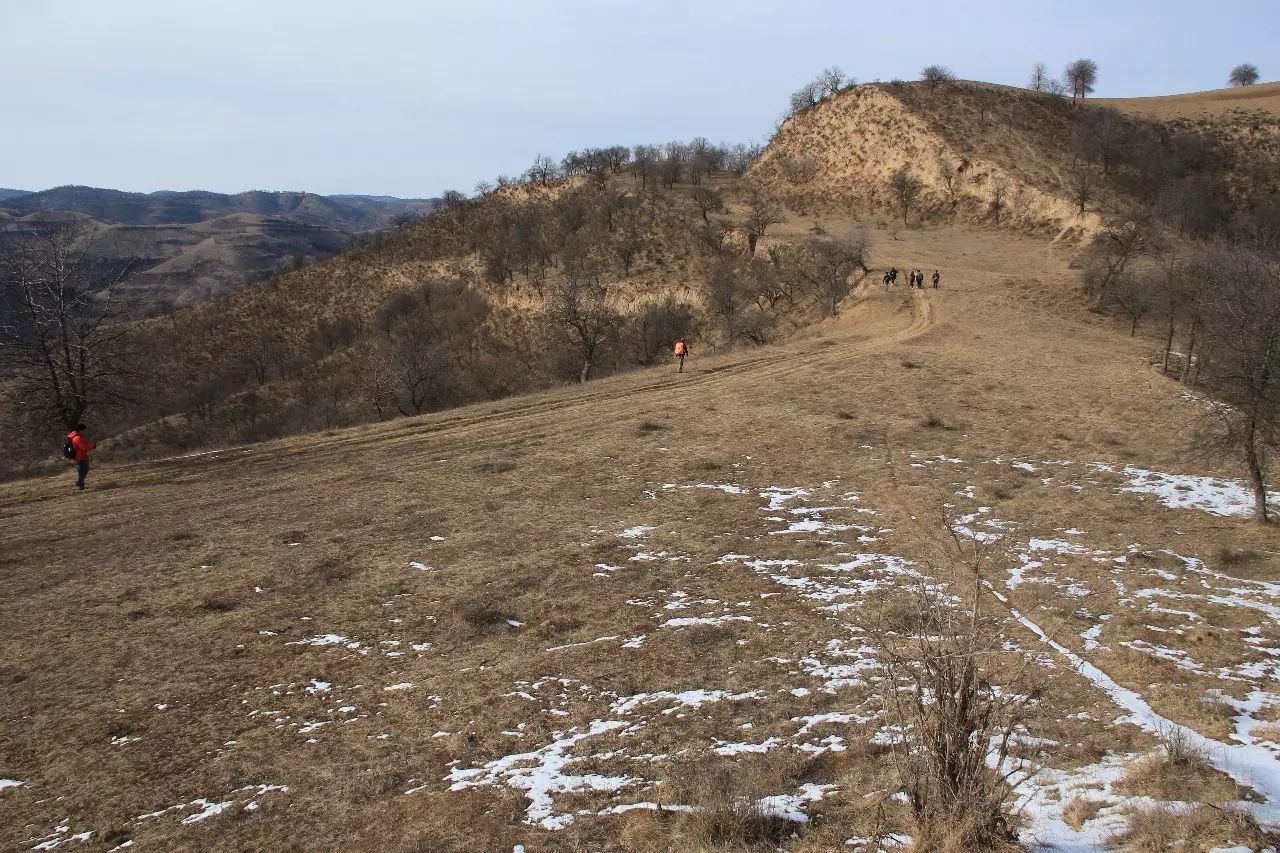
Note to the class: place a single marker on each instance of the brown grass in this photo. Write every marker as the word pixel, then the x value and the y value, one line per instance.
pixel 1179 772
pixel 148 593
pixel 1080 811
pixel 1203 827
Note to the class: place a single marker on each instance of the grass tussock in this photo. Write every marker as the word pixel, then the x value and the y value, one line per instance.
pixel 1203 827
pixel 1179 771
pixel 1080 811
pixel 731 809
pixel 483 614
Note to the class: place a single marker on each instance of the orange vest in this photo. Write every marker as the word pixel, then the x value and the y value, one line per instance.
pixel 681 349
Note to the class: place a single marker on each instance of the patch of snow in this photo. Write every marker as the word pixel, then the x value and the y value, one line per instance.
pixel 1214 495
pixel 540 774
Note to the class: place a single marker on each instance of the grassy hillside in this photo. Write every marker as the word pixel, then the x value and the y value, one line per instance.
pixel 1015 158
pixel 723 609
pixel 521 622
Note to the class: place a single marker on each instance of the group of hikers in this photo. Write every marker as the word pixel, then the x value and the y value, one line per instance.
pixel 915 278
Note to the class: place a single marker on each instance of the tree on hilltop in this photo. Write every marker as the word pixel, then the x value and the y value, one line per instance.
pixel 831 80
pixel 543 169
pixel 1039 78
pixel 937 75
pixel 1080 76
pixel 1244 74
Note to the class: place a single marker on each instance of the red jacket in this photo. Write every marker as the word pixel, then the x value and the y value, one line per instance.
pixel 82 447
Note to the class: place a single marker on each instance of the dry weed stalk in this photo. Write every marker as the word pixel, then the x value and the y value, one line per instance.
pixel 955 729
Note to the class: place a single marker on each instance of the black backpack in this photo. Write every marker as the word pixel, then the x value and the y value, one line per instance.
pixel 69 449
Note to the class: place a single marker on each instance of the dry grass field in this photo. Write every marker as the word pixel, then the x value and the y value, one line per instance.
pixel 1263 97
pixel 641 614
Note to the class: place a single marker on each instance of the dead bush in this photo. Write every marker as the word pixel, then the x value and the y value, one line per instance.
pixel 647 426
pixel 955 727
pixel 932 420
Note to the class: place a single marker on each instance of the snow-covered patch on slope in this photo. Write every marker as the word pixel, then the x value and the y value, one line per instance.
pixel 1186 491
pixel 540 774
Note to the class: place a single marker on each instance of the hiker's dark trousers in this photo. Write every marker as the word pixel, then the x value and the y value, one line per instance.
pixel 82 471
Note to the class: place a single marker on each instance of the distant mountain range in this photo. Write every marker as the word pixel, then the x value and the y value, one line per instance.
pixel 197 245
pixel 166 207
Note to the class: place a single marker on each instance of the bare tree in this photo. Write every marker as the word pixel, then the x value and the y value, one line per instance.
pixel 805 97
pixel 708 201
pixel 906 189
pixel 1242 355
pixel 1134 295
pixel 654 328
pixel 827 265
pixel 1039 78
pixel 999 192
pixel 579 307
pixel 544 169
pixel 483 188
pixel 1244 74
pixel 1080 76
pixel 761 213
pixel 949 174
pixel 61 300
pixel 1079 185
pixel 1111 253
pixel 831 81
pixel 937 75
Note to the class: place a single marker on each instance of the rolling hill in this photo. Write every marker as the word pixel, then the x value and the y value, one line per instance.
pixel 674 611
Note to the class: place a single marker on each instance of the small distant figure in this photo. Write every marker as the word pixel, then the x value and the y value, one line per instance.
pixel 912 278
pixel 937 277
pixel 887 281
pixel 682 351
pixel 77 448
pixel 893 275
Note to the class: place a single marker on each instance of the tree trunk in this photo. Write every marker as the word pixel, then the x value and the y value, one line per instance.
pixel 586 371
pixel 1168 345
pixel 1256 478
pixel 1191 349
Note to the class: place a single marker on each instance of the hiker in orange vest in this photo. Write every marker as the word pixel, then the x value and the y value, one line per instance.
pixel 682 350
pixel 77 448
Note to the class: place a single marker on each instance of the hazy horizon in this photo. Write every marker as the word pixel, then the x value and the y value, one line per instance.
pixel 394 99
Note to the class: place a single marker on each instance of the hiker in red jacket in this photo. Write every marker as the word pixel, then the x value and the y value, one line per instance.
pixel 682 352
pixel 80 448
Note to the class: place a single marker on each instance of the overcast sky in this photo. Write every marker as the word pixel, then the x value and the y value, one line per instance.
pixel 414 97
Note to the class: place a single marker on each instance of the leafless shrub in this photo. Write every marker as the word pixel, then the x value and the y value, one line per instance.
pixel 955 726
